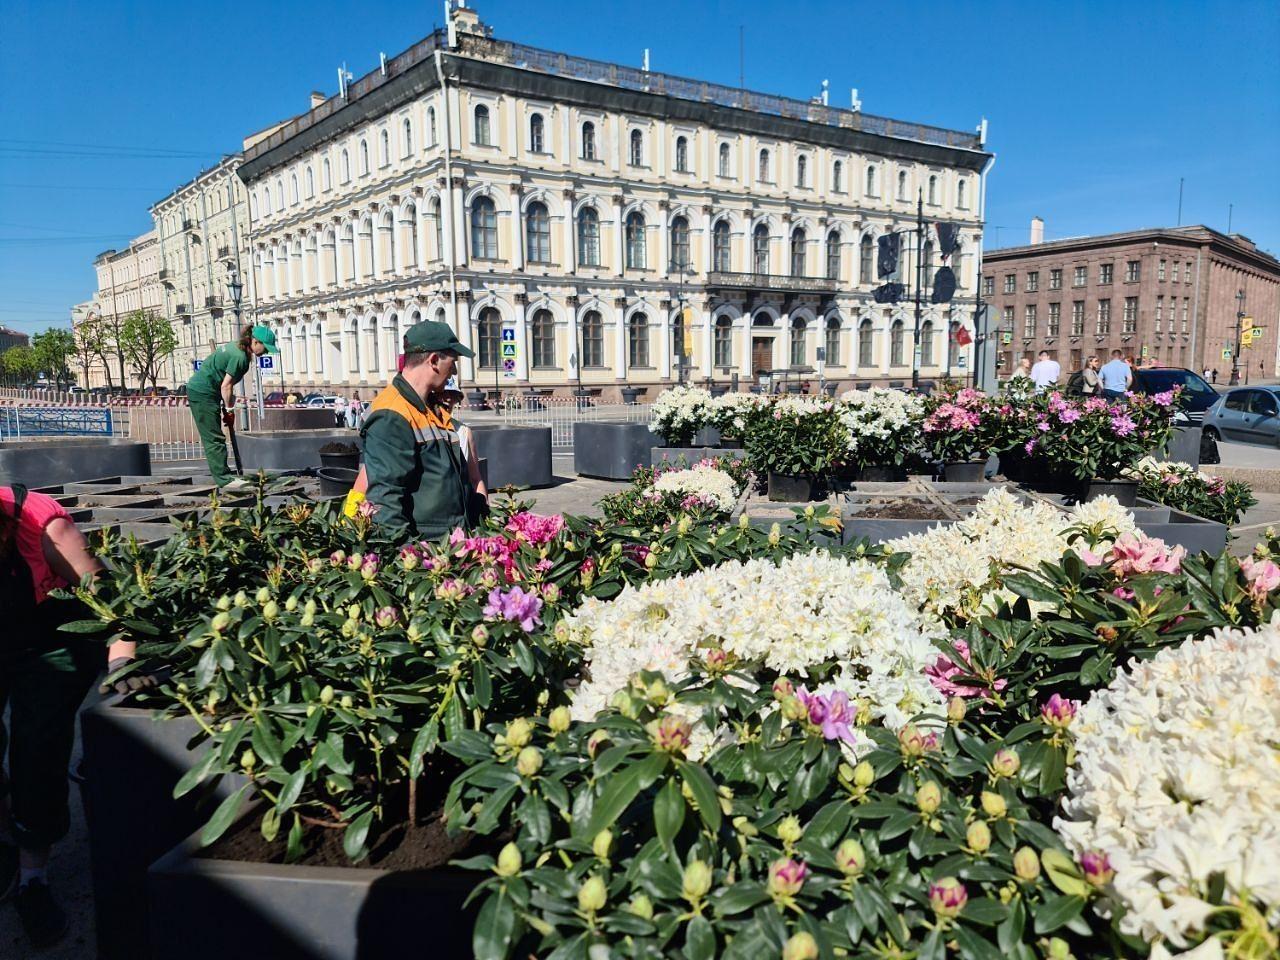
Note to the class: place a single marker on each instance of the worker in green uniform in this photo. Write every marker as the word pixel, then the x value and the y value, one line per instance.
pixel 417 472
pixel 210 393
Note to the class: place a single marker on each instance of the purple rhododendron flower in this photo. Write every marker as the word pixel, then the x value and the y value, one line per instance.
pixel 1123 425
pixel 514 605
pixel 832 712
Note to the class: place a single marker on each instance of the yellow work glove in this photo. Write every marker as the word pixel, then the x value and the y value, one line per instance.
pixel 352 503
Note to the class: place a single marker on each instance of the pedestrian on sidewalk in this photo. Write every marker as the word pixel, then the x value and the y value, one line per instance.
pixel 1046 372
pixel 1116 376
pixel 45 674
pixel 211 393
pixel 355 412
pixel 340 412
pixel 1024 369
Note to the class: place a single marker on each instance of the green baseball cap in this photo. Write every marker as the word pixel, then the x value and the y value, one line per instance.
pixel 432 336
pixel 266 338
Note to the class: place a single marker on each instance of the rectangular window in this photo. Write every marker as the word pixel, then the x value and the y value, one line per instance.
pixel 1159 311
pixel 1081 277
pixel 1055 278
pixel 1186 307
pixel 1176 266
pixel 1130 314
pixel 1055 319
pixel 1010 283
pixel 1033 281
pixel 1104 317
pixel 1077 318
pixel 833 343
pixel 1106 272
pixel 988 286
pixel 1132 270
pixel 638 341
pixel 724 344
pixel 1029 321
pixel 1187 274
pixel 1160 270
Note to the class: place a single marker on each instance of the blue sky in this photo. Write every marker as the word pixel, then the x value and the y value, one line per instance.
pixel 1096 109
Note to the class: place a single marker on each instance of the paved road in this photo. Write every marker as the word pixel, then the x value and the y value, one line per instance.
pixel 1252 455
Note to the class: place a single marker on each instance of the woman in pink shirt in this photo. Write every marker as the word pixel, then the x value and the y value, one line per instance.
pixel 44 676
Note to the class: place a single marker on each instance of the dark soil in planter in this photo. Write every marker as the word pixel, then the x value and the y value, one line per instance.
pixel 910 510
pixel 340 448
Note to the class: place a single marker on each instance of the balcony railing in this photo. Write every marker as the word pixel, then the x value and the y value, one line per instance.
pixel 182 310
pixel 165 275
pixel 770 281
pixel 187 224
pixel 213 302
pixel 224 253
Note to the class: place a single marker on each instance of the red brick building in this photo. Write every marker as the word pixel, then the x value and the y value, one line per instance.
pixel 1168 294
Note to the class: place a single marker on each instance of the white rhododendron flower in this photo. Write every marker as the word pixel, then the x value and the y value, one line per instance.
pixel 713 487
pixel 732 410
pixel 806 610
pixel 681 410
pixel 878 414
pixel 1177 778
pixel 958 569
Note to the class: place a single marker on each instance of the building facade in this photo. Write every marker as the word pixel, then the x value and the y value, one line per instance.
pixel 587 224
pixel 1169 295
pixel 128 280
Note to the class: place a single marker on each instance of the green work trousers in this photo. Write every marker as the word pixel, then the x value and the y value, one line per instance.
pixel 207 413
pixel 43 687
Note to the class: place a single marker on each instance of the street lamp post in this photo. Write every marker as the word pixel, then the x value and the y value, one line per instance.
pixel 235 292
pixel 1235 355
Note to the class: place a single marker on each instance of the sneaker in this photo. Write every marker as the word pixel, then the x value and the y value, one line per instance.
pixel 8 871
pixel 43 920
pixel 239 483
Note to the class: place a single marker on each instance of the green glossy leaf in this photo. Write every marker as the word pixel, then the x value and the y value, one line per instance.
pixel 700 940
pixel 985 910
pixel 223 816
pixel 704 792
pixel 495 927
pixel 357 832
pixel 196 774
pixel 668 812
pixel 1064 873
pixel 1056 911
pixel 621 790
pixel 739 898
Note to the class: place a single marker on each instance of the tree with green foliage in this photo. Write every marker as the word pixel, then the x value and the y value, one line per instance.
pixel 19 365
pixel 91 349
pixel 147 339
pixel 53 350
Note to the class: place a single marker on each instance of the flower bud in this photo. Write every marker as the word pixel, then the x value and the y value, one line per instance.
pixel 914 743
pixel 851 859
pixel 684 524
pixel 291 604
pixel 1058 712
pixel 346 702
pixel 592 895
pixel 559 720
pixel 263 595
pixel 519 733
pixel 509 861
pixel 309 608
pixel 801 946
pixel 671 734
pixel 993 804
pixel 1026 864
pixel 956 709
pixel 529 762
pixel 1058 949
pixel 745 827
pixel 224 602
pixel 790 831
pixel 326 695
pixel 1097 867
pixel 864 774
pixel 550 592
pixel 595 741
pixel 794 709
pixel 696 882
pixel 775 535
pixel 386 617
pixel 786 878
pixel 220 622
pixel 641 906
pixel 783 688
pixel 480 635
pixel 1006 763
pixel 929 796
pixel 948 897
pixel 744 521
pixel 602 844
pixel 248 760
pixel 978 836
pixel 270 610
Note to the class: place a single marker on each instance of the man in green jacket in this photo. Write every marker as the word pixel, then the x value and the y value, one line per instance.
pixel 210 392
pixel 418 478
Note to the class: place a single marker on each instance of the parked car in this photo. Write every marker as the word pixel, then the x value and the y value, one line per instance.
pixel 1196 397
pixel 321 400
pixel 1246 414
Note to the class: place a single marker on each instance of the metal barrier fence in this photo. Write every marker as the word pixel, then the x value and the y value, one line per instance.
pixel 19 422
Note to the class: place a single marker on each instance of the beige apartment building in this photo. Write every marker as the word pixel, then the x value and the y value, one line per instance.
pixel 588 224
pixel 128 280
pixel 1170 295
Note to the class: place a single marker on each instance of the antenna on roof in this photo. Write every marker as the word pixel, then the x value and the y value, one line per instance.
pixel 826 93
pixel 344 77
pixel 854 103
pixel 646 60
pixel 982 132
pixel 382 63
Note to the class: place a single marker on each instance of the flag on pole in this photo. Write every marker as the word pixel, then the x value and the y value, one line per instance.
pixel 962 336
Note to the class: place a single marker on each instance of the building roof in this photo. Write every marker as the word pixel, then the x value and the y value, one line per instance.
pixel 1195 235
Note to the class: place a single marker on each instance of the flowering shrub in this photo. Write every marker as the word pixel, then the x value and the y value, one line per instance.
pixel 1175 790
pixel 1181 486
pixel 959 426
pixel 702 485
pixel 679 413
pixel 883 426
pixel 660 495
pixel 733 412
pixel 1097 438
pixel 796 436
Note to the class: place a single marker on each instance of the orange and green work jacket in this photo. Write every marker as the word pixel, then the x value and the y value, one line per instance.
pixel 417 476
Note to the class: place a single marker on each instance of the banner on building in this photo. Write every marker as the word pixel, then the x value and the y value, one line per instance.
pixel 948 237
pixel 890 249
pixel 944 285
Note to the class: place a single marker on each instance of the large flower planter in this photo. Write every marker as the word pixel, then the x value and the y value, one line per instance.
pixel 38 463
pixel 965 471
pixel 289 449
pixel 1125 491
pixel 518 456
pixel 789 489
pixel 204 909
pixel 881 474
pixel 131 763
pixel 611 451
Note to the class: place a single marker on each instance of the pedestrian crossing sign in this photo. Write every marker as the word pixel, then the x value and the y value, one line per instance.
pixel 508 350
pixel 1226 354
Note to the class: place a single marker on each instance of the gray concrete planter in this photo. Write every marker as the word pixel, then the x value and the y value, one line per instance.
pixel 38 463
pixel 519 456
pixel 611 451
pixel 289 912
pixel 289 449
pixel 689 455
pixel 131 763
pixel 296 418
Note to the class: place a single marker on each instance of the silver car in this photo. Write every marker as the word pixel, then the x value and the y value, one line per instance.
pixel 1246 414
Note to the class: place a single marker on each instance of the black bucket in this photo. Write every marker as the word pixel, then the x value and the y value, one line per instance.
pixel 344 461
pixel 336 481
pixel 964 471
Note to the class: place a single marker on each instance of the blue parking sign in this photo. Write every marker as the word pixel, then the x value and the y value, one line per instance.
pixel 267 362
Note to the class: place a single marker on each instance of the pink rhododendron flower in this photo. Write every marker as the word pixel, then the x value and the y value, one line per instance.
pixel 1094 404
pixel 1088 556
pixel 516 606
pixel 832 712
pixel 1133 555
pixel 1216 486
pixel 786 877
pixel 1030 446
pixel 1058 711
pixel 948 897
pixel 1123 425
pixel 1263 576
pixel 1070 415
pixel 944 668
pixel 536 528
pixel 1163 399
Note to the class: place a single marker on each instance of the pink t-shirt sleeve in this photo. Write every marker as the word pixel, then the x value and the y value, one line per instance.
pixel 38 511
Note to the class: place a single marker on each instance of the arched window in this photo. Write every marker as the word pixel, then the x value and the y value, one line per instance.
pixel 866 260
pixel 317 349
pixel 833 255
pixel 896 340
pixel 345 167
pixel 833 340
pixel 544 339
pixel 962 199
pixel 638 340
pixel 763 175
pixel 926 344
pixel 680 244
pixel 588 237
pixel 797 342
pixel 798 240
pixel 760 248
pixel 384 148
pixel 371 335
pixel 928 261
pixel 721 257
pixel 933 190
pixel 837 177
pixel 724 160
pixel 406 133
pixel 279 195
pixel 864 343
pixel 592 339
pixel 682 155
pixel 326 175
pixel 293 188
pixel 482 136
pixel 484 229
pixel 439 224
pixel 411 254
pixel 348 242
pixel 871 181
pixel 353 346
pixel 902 184
pixel 490 329
pixel 953 348
pixel 636 259
pixel 253 206
pixel 391 337
pixel 431 126
pixel 588 141
pixel 311 183
pixel 537 134
pixel 367 240
pixel 364 157
pixel 537 231
pixel 636 156
pixel 802 171
pixel 722 354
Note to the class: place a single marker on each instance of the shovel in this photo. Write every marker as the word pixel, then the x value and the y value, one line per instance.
pixel 229 432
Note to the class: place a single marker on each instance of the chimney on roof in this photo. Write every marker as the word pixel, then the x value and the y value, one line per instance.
pixel 1037 230
pixel 317 98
